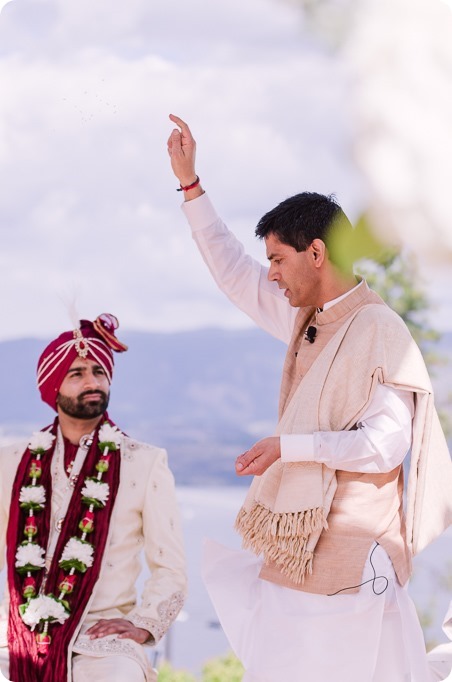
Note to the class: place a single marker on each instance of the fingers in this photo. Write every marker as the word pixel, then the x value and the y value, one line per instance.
pixel 122 627
pixel 174 143
pixel 139 635
pixel 182 125
pixel 111 626
pixel 186 137
pixel 258 458
pixel 244 463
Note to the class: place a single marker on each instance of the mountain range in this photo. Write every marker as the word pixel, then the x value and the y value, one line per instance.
pixel 204 395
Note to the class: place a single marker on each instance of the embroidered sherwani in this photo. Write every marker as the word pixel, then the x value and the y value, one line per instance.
pixel 145 520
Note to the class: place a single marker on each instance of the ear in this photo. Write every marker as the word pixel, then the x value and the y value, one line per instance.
pixel 318 251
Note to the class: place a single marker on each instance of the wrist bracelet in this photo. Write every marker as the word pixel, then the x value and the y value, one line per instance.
pixel 187 187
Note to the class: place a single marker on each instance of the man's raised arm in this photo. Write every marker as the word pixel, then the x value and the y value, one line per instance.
pixel 243 279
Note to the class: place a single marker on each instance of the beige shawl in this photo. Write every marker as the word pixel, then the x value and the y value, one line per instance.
pixel 286 508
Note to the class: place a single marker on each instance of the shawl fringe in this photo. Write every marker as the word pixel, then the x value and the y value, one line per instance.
pixel 281 538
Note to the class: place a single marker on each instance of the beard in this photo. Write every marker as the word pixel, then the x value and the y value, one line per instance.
pixel 80 408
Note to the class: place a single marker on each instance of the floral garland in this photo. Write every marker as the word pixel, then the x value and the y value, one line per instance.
pixel 40 610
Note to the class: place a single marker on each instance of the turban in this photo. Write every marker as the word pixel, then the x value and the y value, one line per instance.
pixel 92 340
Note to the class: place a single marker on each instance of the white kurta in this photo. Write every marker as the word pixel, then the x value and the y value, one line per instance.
pixel 283 634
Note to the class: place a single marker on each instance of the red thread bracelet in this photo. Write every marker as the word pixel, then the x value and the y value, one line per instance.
pixel 187 187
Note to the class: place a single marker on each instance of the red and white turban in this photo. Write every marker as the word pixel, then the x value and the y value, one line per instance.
pixel 93 340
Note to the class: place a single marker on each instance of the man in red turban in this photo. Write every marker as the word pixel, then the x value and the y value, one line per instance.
pixel 74 532
pixel 92 340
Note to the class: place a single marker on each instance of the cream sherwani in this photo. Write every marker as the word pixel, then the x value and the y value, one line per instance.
pixel 145 518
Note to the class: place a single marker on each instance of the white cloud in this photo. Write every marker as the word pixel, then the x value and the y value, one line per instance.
pixel 88 204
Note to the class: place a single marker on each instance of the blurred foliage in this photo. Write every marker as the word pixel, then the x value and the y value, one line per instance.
pixel 391 272
pixel 445 578
pixel 166 673
pixel 223 669
pixel 394 275
pixel 349 244
pixel 397 281
pixel 426 617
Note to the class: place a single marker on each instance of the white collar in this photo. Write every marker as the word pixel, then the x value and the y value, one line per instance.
pixel 330 304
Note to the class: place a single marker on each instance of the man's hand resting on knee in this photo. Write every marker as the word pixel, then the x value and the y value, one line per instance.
pixel 118 626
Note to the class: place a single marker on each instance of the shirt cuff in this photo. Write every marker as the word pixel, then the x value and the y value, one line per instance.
pixel 297 447
pixel 199 212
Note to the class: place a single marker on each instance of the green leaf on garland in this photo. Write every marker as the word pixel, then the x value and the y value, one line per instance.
pixel 31 505
pixel 91 500
pixel 28 567
pixel 112 447
pixel 73 563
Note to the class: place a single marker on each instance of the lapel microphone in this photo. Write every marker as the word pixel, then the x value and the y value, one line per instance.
pixel 310 333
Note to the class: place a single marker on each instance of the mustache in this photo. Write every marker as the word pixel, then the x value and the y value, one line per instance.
pixel 99 394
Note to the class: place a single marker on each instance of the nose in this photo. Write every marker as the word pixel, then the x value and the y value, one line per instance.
pixel 273 275
pixel 91 380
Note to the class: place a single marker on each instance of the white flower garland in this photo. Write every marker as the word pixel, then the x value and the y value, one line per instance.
pixel 44 608
pixel 30 555
pixel 109 436
pixel 32 494
pixel 41 441
pixel 96 490
pixel 78 550
pixel 78 554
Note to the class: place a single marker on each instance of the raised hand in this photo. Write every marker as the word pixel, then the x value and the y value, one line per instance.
pixel 182 151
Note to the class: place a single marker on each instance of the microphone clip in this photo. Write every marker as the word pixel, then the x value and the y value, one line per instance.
pixel 310 333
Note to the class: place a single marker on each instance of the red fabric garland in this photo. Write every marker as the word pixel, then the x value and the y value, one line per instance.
pixel 25 664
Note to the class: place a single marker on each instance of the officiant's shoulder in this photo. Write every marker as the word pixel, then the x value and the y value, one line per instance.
pixel 382 313
pixel 380 321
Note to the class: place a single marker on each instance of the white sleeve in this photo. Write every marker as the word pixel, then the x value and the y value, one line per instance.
pixel 378 444
pixel 243 279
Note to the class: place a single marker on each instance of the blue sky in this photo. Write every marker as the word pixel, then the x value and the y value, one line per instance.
pixel 88 207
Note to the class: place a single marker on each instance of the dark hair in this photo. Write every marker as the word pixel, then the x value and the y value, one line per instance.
pixel 300 219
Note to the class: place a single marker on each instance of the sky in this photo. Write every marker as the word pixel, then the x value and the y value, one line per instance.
pixel 88 205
